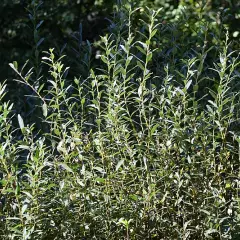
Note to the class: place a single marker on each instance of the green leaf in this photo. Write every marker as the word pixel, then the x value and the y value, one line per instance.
pixel 20 122
pixel 140 91
pixel 195 87
pixel 83 101
pixel 228 185
pixel 104 59
pixel 210 231
pixel 40 88
pixel 15 64
pixel 143 44
pixel 65 166
pixel 12 66
pixel 39 24
pixel 101 180
pixel 133 197
pixel 210 109
pixel 44 109
pixel 149 57
pixel 40 42
pixel 24 147
pixel 76 81
pixel 153 33
pixel 188 84
pixel 140 65
pixel 154 128
pixel 120 163
pixel 129 59
pixel 24 207
pixel 124 49
pixel 2 89
pixel 213 103
pixel 141 50
pixel 101 170
pixel 54 74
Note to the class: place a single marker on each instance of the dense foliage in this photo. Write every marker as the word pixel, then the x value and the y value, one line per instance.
pixel 128 131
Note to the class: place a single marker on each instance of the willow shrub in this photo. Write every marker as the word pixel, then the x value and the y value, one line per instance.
pixel 125 153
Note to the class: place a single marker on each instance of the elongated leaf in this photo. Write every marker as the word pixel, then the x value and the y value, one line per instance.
pixel 12 66
pixel 101 180
pixel 20 122
pixel 40 42
pixel 65 166
pixel 188 84
pixel 140 65
pixel 39 24
pixel 124 49
pixel 154 128
pixel 101 170
pixel 149 57
pixel 140 91
pixel 15 64
pixel 45 110
pixel 2 89
pixel 120 163
pixel 154 32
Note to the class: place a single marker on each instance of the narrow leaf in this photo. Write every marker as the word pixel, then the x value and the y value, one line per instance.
pixel 20 122
pixel 39 24
pixel 188 84
pixel 120 163
pixel 44 109
pixel 40 42
pixel 65 166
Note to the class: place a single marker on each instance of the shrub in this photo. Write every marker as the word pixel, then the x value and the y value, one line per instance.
pixel 144 147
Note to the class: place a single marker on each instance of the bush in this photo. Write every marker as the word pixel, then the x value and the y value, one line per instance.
pixel 143 145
